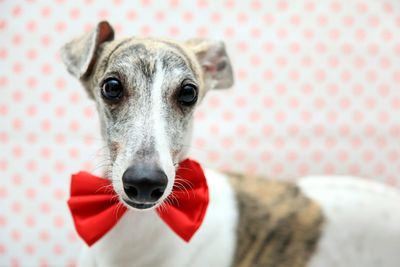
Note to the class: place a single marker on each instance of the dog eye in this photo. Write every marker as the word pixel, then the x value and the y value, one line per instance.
pixel 112 90
pixel 187 95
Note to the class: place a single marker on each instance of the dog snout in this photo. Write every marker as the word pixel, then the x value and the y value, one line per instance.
pixel 144 183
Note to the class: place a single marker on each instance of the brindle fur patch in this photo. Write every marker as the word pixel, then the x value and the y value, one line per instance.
pixel 278 225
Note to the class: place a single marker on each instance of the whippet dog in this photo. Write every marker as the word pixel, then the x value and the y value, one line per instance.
pixel 146 91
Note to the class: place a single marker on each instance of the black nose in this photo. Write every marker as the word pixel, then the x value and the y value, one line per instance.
pixel 144 183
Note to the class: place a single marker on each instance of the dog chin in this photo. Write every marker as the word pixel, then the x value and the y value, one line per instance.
pixel 140 206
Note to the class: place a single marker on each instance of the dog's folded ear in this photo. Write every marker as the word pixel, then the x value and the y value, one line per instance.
pixel 214 61
pixel 79 55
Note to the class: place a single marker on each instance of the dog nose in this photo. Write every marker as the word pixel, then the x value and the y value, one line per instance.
pixel 144 183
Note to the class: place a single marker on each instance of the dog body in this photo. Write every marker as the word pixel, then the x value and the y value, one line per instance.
pixel 358 228
pixel 145 92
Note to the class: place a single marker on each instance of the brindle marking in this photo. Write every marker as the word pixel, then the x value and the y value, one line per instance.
pixel 278 225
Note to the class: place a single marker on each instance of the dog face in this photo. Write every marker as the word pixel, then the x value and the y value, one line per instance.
pixel 145 92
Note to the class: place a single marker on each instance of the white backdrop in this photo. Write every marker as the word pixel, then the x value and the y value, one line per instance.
pixel 317 91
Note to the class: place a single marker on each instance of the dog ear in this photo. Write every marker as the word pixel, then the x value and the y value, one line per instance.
pixel 79 55
pixel 214 61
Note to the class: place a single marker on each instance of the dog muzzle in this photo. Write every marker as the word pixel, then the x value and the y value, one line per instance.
pixel 95 207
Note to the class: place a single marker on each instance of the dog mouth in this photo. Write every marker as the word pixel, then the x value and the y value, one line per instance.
pixel 138 205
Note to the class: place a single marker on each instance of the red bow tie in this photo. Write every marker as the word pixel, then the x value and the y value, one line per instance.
pixel 96 209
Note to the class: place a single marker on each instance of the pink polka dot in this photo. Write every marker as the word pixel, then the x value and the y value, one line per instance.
pixel 369 130
pixel 145 30
pixel 213 156
pixel 330 142
pixel 30 249
pixel 281 33
pixel 15 235
pixel 280 116
pixel 368 155
pixel 45 207
pixel 30 221
pixel 268 75
pixel 72 236
pixel 358 89
pixel 241 74
pixel 269 19
pixel 200 142
pixel 329 168
pixel 239 156
pixel 317 155
pixel 3 53
pixel 303 169
pixel 370 103
pixel 304 142
pixel 383 90
pixel 59 194
pixel 320 75
pixel 59 221
pixel 357 116
pixel 291 155
pixel 254 116
pixel 293 130
pixel 307 89
pixel 305 116
pixel 277 168
pixel 45 152
pixel 308 34
pixel 333 61
pixel 59 166
pixel 267 130
pixel 45 180
pixel 334 34
pixel 60 138
pixel 348 21
pixel 227 142
pixel 281 61
pixel 360 34
pixel 319 103
pixel 229 32
pixel 30 193
pixel 241 129
pixel 279 142
pixel 294 75
pixel 266 156
pixel 319 129
pixel 58 249
pixel 228 116
pixel 241 101
pixel 294 47
pixel 393 156
pixel 3 220
pixel 16 179
pixel 256 5
pixel 202 31
pixel 3 110
pixel 309 6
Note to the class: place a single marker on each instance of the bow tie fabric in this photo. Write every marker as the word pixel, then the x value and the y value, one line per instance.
pixel 96 208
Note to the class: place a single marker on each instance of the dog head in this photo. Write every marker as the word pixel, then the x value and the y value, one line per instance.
pixel 145 91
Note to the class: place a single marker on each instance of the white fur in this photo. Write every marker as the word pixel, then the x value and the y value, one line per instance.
pixel 362 227
pixel 142 239
pixel 161 141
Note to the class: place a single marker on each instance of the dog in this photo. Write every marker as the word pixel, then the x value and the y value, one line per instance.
pixel 146 91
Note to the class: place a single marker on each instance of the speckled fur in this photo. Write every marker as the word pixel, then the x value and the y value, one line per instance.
pixel 278 225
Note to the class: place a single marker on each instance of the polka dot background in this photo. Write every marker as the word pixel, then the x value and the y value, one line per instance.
pixel 317 92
